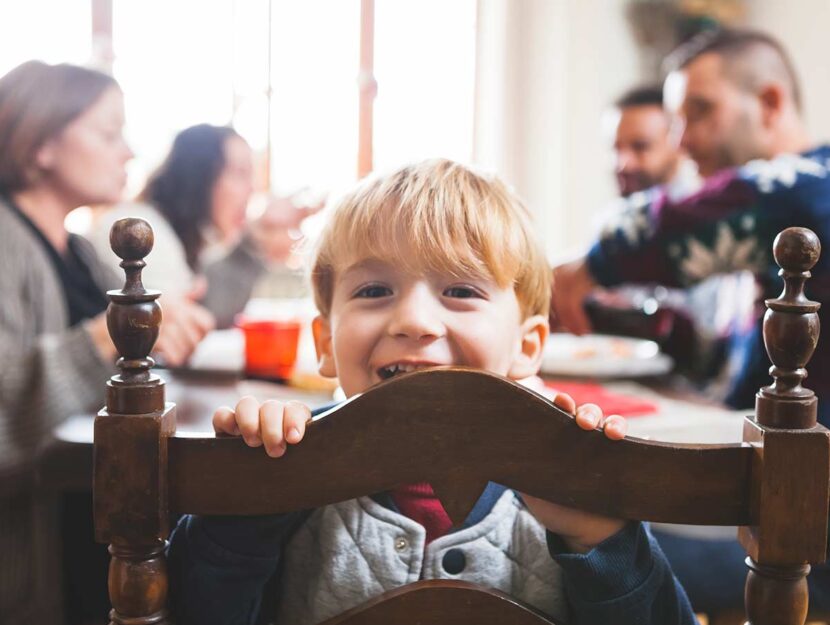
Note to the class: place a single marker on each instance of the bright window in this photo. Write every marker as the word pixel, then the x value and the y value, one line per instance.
pixel 184 62
pixel 314 51
pixel 425 69
pixel 54 31
pixel 174 61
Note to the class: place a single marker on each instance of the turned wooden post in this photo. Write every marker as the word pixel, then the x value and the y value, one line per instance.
pixel 791 466
pixel 130 474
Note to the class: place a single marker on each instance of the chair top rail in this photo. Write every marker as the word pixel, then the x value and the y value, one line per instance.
pixel 459 429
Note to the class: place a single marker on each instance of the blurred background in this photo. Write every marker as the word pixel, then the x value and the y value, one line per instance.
pixel 326 90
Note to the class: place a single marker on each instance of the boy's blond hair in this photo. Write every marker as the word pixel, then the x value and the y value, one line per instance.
pixel 436 215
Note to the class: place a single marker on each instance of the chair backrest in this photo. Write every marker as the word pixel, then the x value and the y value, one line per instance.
pixel 460 429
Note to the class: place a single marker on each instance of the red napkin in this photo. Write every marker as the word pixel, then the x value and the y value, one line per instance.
pixel 609 402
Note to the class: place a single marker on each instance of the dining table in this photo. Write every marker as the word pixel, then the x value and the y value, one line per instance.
pixel 66 460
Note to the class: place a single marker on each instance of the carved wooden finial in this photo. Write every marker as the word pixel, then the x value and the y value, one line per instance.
pixel 791 329
pixel 130 494
pixel 133 319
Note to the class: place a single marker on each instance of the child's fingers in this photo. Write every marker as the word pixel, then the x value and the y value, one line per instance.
pixel 271 418
pixel 588 416
pixel 247 420
pixel 615 427
pixel 224 421
pixel 294 421
pixel 565 402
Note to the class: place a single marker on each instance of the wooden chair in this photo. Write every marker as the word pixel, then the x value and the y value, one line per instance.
pixel 459 429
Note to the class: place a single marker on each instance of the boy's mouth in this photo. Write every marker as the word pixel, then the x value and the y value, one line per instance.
pixel 391 370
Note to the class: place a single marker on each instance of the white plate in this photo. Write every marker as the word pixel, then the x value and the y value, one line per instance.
pixel 220 351
pixel 601 356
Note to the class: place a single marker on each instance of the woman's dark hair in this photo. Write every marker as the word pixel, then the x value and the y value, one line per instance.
pixel 181 188
pixel 37 101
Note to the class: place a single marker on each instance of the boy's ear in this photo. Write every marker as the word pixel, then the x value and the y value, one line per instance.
pixel 321 329
pixel 533 334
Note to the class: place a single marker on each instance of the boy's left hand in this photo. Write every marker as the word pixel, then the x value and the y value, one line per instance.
pixel 581 531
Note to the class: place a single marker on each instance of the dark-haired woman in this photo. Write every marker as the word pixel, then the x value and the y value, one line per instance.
pixel 196 202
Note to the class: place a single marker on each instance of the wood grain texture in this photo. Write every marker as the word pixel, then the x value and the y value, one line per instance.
pixel 791 330
pixel 459 429
pixel 790 499
pixel 435 602
pixel 130 482
pixel 791 464
pixel 130 498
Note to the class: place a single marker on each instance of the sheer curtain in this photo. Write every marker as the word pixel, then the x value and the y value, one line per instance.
pixel 545 73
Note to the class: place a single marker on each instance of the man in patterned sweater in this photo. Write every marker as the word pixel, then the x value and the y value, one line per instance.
pixel 739 97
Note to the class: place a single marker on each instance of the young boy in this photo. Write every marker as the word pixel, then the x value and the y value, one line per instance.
pixel 434 264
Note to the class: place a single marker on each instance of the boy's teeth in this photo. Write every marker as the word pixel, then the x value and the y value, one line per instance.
pixel 388 372
pixel 391 370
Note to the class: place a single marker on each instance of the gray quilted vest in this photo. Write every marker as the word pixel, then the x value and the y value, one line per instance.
pixel 350 552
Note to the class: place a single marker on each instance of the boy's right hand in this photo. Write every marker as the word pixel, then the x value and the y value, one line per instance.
pixel 274 424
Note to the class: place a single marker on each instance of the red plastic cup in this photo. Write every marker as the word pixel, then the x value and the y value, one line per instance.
pixel 270 347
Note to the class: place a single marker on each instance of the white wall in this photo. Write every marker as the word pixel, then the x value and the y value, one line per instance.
pixel 546 71
pixel 803 29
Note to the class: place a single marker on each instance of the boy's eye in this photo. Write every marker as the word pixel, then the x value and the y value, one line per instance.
pixel 462 292
pixel 373 291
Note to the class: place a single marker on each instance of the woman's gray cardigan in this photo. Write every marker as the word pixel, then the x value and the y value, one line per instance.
pixel 48 372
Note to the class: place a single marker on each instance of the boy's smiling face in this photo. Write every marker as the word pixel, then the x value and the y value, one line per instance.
pixel 386 319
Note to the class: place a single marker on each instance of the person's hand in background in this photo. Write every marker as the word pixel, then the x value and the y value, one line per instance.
pixel 572 282
pixel 184 324
pixel 277 230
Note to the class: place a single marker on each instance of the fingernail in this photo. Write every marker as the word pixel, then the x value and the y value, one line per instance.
pixel 294 433
pixel 591 417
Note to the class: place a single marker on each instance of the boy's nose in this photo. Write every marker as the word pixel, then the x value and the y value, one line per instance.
pixel 417 315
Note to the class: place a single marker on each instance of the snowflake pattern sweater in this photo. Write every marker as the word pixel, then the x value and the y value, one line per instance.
pixel 729 225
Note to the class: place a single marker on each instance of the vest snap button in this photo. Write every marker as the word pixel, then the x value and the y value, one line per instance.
pixel 401 543
pixel 454 561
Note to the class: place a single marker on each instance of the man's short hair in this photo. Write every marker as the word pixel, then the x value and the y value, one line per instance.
pixel 751 57
pixel 644 95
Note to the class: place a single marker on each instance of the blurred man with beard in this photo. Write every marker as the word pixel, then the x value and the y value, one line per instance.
pixel 645 139
pixel 647 149
pixel 739 99
pixel 740 102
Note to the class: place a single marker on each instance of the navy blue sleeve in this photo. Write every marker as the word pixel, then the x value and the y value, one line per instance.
pixel 624 580
pixel 219 566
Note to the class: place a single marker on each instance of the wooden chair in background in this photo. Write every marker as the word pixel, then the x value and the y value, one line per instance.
pixel 459 429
